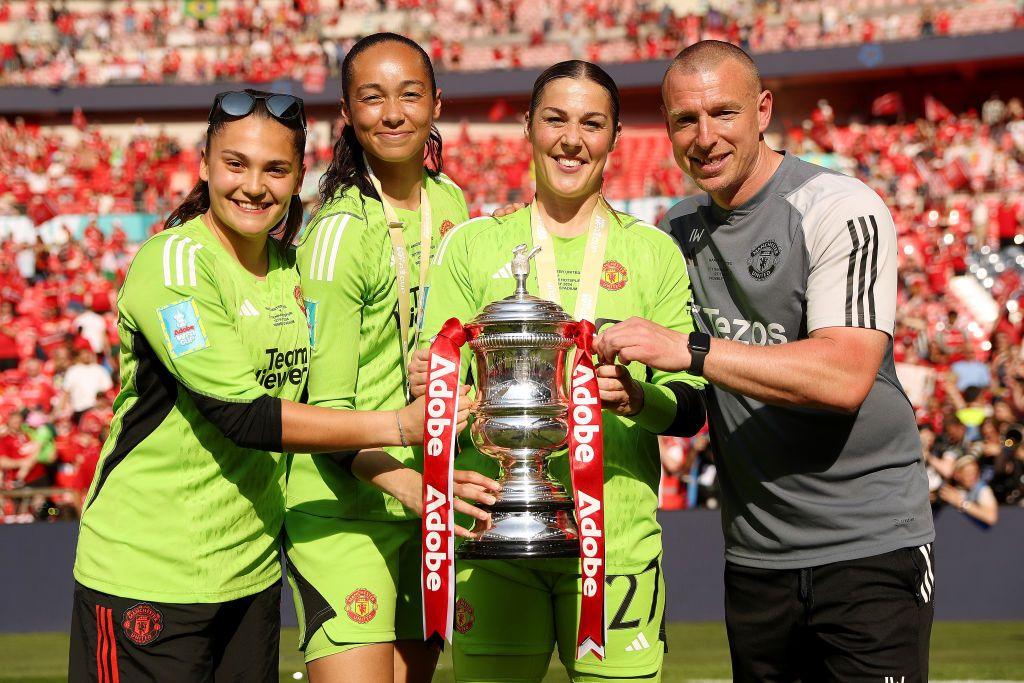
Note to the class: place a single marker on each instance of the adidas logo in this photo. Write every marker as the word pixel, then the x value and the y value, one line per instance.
pixel 503 273
pixel 639 643
pixel 248 310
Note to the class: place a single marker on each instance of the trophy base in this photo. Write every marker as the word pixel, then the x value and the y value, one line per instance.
pixel 525 532
pixel 514 550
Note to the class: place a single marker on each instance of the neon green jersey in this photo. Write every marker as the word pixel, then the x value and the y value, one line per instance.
pixel 178 510
pixel 643 275
pixel 348 277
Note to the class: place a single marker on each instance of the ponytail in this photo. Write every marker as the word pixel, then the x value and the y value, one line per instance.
pixel 347 168
pixel 196 203
pixel 286 231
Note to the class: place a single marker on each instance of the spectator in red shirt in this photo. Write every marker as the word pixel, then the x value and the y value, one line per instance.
pixel 18 455
pixel 1008 222
pixel 9 356
pixel 37 392
pixel 867 34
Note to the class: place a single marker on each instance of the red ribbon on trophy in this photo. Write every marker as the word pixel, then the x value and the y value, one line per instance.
pixel 438 523
pixel 586 453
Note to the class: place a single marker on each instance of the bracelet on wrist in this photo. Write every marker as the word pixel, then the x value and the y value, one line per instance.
pixel 401 432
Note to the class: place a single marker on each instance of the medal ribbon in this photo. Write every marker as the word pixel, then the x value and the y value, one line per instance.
pixel 437 559
pixel 593 261
pixel 586 443
pixel 586 451
pixel 396 232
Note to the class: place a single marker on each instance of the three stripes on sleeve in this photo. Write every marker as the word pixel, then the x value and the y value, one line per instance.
pixel 862 272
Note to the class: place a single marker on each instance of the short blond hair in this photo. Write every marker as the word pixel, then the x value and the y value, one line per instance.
pixel 708 54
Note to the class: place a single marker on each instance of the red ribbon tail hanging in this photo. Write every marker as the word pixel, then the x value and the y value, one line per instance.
pixel 586 449
pixel 437 564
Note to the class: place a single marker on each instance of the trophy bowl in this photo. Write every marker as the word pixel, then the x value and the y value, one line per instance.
pixel 519 345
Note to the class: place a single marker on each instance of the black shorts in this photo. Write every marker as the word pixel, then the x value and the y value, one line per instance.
pixel 120 640
pixel 868 619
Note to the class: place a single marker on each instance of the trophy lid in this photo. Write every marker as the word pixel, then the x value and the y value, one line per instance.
pixel 522 306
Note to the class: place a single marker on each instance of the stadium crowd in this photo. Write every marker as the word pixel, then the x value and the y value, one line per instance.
pixel 58 366
pixel 953 182
pixel 159 41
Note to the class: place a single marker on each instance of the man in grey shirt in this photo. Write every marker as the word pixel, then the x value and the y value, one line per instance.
pixel 829 572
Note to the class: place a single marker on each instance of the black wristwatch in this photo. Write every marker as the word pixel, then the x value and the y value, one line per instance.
pixel 699 343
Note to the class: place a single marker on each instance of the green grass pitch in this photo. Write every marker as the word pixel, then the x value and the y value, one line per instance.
pixel 962 651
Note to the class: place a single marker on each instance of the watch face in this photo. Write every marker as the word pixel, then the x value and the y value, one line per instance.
pixel 700 341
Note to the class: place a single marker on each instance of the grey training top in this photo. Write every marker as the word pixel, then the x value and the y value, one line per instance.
pixel 803 487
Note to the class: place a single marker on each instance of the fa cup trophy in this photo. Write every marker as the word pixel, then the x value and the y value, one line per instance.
pixel 523 414
pixel 520 345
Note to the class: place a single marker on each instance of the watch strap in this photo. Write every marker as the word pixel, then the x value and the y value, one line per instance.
pixel 698 343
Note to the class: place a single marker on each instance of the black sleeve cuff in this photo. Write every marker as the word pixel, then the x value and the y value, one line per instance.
pixel 690 411
pixel 256 424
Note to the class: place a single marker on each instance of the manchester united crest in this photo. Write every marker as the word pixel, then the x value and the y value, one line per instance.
pixel 446 225
pixel 614 276
pixel 142 623
pixel 464 615
pixel 299 300
pixel 763 259
pixel 361 606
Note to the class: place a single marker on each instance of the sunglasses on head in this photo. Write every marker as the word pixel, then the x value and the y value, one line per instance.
pixel 238 103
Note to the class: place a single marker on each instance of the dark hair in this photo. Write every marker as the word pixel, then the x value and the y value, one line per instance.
pixel 347 165
pixel 579 70
pixel 197 202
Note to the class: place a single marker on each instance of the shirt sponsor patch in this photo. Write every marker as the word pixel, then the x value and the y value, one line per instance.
pixel 310 306
pixel 183 330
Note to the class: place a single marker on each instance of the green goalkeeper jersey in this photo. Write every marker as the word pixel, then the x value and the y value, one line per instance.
pixel 348 277
pixel 188 499
pixel 643 275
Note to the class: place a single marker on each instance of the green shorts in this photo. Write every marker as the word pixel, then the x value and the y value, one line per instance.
pixel 510 615
pixel 354 581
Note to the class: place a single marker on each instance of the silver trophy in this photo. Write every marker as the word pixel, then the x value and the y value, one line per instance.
pixel 521 417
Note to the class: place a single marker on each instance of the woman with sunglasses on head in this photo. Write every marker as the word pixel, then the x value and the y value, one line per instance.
pixel 603 266
pixel 177 570
pixel 352 532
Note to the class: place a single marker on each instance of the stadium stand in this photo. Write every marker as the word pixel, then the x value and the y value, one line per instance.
pixel 77 195
pixel 89 42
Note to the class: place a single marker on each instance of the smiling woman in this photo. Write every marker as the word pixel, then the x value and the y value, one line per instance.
pixel 177 566
pixel 353 540
pixel 235 204
pixel 603 266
